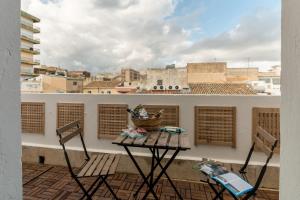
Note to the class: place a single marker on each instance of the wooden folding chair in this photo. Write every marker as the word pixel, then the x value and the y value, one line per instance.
pixel 263 141
pixel 98 166
pixel 266 143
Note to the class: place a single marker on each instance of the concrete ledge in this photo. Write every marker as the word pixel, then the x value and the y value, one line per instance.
pixel 180 169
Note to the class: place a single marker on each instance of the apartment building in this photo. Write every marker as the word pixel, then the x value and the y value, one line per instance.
pixel 101 87
pixel 169 78
pixel 271 79
pixel 52 84
pixel 130 75
pixel 241 74
pixel 206 72
pixel 29 51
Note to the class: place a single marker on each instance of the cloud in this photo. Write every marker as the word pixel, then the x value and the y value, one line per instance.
pixel 256 37
pixel 105 35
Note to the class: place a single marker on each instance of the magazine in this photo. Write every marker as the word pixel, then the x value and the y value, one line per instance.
pixel 212 169
pixel 232 182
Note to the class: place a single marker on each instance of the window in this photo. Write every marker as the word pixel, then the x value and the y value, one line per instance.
pixel 74 83
pixel 160 82
pixel 267 80
pixel 276 81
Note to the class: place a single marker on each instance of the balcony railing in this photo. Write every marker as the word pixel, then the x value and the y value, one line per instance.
pixel 220 127
pixel 30 49
pixel 30 38
pixel 30 61
pixel 30 26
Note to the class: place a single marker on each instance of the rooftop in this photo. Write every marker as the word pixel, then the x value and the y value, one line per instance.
pixel 102 84
pixel 54 182
pixel 222 89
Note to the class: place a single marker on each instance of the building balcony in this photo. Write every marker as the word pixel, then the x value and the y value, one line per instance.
pixel 30 49
pixel 30 61
pixel 54 182
pixel 30 38
pixel 224 135
pixel 30 26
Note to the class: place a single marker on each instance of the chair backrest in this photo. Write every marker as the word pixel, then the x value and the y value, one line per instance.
pixel 266 143
pixel 68 132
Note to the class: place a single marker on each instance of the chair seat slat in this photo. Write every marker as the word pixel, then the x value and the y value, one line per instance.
pixel 100 166
pixel 114 165
pixel 87 166
pixel 108 164
pixel 94 165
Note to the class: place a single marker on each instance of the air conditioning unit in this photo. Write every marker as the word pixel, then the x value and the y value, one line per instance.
pixel 161 87
pixel 177 87
pixel 155 87
pixel 170 87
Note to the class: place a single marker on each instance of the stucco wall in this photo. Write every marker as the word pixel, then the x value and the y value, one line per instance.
pixel 290 137
pixel 10 139
pixel 244 105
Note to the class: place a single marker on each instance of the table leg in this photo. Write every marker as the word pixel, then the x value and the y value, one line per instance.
pixel 166 174
pixel 150 186
pixel 155 166
pixel 163 171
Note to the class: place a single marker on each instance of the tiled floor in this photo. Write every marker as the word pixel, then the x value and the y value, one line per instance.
pixel 53 182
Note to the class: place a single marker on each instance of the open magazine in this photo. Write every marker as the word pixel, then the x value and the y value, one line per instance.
pixel 232 182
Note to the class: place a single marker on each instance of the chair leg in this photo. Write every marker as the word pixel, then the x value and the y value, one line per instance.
pixel 109 188
pixel 86 194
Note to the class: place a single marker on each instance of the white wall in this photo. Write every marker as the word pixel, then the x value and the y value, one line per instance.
pixel 10 139
pixel 290 120
pixel 244 106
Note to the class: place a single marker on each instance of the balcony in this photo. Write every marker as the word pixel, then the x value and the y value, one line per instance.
pixel 54 182
pixel 44 112
pixel 30 61
pixel 30 49
pixel 30 38
pixel 30 26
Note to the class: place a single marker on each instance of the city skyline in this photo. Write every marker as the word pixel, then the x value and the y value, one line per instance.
pixel 108 35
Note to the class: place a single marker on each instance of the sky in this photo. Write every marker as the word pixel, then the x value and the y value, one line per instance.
pixel 107 35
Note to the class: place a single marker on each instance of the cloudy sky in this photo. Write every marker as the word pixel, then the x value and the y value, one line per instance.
pixel 106 35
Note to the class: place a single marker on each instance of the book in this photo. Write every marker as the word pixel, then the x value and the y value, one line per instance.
pixel 233 183
pixel 212 169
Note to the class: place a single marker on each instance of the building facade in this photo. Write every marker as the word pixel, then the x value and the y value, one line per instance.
pixel 101 87
pixel 165 79
pixel 52 84
pixel 241 74
pixel 271 79
pixel 29 51
pixel 206 72
pixel 130 75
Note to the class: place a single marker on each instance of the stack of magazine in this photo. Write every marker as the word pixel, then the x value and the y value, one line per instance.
pixel 232 182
